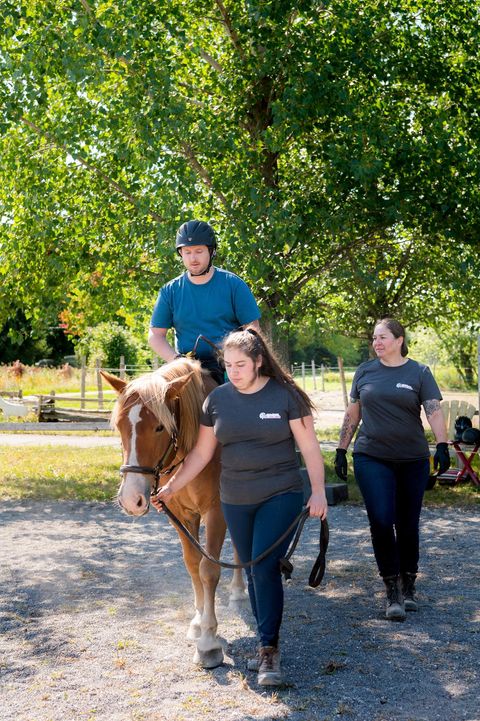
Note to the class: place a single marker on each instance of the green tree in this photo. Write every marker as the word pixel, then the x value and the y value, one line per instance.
pixel 108 342
pixel 307 131
pixel 400 277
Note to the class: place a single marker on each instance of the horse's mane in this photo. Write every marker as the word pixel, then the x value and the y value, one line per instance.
pixel 178 413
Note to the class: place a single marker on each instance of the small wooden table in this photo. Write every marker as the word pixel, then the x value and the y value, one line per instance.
pixel 464 469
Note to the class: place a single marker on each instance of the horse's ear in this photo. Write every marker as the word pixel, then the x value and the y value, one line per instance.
pixel 117 383
pixel 174 387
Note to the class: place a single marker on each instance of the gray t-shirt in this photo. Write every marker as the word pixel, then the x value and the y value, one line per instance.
pixel 258 450
pixel 391 398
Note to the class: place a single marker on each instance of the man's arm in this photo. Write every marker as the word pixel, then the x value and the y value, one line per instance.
pixel 158 342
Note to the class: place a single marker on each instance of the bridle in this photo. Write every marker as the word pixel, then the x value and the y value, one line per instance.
pixel 160 469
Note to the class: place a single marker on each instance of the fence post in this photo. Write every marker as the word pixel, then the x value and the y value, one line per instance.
pixel 122 367
pixel 83 382
pixel 322 376
pixel 155 362
pixel 303 375
pixel 342 381
pixel 314 376
pixel 99 384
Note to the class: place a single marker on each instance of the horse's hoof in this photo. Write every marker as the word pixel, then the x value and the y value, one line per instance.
pixel 209 659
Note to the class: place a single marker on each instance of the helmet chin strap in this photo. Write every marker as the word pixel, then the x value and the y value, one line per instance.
pixel 207 269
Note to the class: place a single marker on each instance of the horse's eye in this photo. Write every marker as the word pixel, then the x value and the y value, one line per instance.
pixel 159 429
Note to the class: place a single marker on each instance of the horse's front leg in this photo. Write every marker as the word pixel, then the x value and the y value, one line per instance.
pixel 209 649
pixel 191 559
pixel 205 576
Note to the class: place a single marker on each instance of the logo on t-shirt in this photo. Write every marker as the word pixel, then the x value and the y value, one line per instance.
pixel 404 385
pixel 268 416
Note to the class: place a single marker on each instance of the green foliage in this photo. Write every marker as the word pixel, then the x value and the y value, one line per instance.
pixel 29 342
pixel 312 341
pixel 451 343
pixel 335 148
pixel 108 342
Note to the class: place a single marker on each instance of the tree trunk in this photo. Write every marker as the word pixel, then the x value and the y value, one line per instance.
pixel 277 336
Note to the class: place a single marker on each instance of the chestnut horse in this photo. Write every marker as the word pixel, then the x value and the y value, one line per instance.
pixel 157 415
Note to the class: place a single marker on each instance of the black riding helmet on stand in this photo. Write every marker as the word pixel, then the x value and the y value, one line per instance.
pixel 197 232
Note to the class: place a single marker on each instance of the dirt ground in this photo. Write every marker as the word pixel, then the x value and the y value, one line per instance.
pixel 94 609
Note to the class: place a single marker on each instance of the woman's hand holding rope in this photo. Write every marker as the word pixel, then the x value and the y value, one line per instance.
pixel 317 505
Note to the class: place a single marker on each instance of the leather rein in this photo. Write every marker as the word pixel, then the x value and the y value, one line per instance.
pixel 162 468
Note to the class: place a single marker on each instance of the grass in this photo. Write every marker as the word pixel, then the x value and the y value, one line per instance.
pixel 54 473
pixel 44 380
pixel 86 474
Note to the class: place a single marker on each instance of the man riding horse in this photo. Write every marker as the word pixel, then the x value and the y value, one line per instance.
pixel 202 304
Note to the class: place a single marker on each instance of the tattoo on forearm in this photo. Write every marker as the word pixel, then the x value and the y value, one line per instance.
pixel 347 431
pixel 431 407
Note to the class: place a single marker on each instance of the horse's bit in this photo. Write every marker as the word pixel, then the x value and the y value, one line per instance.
pixel 160 469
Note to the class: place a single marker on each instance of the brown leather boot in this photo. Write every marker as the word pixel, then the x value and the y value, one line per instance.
pixel 269 673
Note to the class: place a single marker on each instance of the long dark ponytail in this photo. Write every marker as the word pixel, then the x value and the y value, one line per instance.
pixel 252 343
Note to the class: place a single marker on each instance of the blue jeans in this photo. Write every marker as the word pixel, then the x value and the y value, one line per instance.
pixel 253 528
pixel 393 495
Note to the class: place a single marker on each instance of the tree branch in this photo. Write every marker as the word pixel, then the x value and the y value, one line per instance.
pixel 232 34
pixel 402 266
pixel 211 61
pixel 203 173
pixel 87 9
pixel 89 166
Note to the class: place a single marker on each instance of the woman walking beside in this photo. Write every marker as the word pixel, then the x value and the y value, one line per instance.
pixel 257 418
pixel 391 456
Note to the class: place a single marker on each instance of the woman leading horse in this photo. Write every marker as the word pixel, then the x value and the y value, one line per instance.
pixel 257 418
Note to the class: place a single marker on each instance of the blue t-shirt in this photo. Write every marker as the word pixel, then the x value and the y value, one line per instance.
pixel 210 309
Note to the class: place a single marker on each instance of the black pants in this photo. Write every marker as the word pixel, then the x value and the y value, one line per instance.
pixel 393 495
pixel 215 368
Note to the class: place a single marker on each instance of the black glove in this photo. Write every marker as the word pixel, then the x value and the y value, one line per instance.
pixel 441 459
pixel 341 463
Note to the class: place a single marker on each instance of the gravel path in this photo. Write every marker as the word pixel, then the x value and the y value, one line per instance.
pixel 94 610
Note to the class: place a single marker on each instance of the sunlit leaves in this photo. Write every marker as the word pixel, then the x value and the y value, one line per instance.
pixel 309 133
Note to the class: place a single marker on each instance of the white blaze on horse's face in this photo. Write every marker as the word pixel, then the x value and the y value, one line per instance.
pixel 134 492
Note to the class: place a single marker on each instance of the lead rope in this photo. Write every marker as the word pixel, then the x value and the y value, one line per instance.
pixel 286 566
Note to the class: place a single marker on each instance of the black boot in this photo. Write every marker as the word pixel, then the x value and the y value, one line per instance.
pixel 395 610
pixel 408 587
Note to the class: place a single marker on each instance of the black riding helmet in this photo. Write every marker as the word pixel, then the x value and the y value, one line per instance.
pixel 197 232
pixel 471 436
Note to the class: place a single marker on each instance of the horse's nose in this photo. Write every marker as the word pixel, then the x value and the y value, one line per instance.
pixel 134 504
